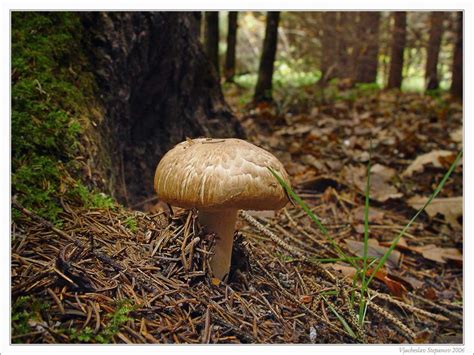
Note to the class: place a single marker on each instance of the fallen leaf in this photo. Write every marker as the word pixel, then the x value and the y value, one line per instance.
pixel 396 288
pixel 375 250
pixel 451 208
pixel 418 165
pixel 310 160
pixel 375 215
pixel 456 136
pixel 345 270
pixel 380 186
pixel 438 254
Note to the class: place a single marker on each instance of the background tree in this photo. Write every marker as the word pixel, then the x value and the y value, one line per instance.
pixel 157 86
pixel 345 21
pixel 367 64
pixel 196 24
pixel 263 89
pixel 457 81
pixel 329 48
pixel 229 66
pixel 434 45
pixel 211 37
pixel 398 49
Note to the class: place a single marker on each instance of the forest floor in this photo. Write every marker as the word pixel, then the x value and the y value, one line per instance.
pixel 118 275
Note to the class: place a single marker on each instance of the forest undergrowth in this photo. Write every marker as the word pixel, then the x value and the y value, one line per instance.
pixel 117 275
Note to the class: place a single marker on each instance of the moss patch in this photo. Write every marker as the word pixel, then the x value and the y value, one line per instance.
pixel 52 92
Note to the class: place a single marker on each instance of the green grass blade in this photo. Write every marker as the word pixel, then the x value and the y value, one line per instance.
pixel 341 319
pixel 362 305
pixel 331 260
pixel 311 215
pixel 403 231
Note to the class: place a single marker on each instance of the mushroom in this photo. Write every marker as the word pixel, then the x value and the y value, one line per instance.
pixel 218 177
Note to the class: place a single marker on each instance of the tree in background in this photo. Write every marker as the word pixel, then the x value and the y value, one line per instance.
pixel 263 89
pixel 229 66
pixel 434 45
pixel 457 81
pixel 329 48
pixel 196 24
pixel 367 63
pixel 398 48
pixel 211 37
pixel 345 21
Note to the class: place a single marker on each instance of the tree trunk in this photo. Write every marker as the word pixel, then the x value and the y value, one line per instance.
pixel 457 81
pixel 157 87
pixel 211 37
pixel 263 90
pixel 398 48
pixel 329 68
pixel 344 24
pixel 434 44
pixel 229 66
pixel 196 24
pixel 368 56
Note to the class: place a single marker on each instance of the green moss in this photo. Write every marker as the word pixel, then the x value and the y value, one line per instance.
pixel 51 93
pixel 113 323
pixel 131 223
pixel 26 311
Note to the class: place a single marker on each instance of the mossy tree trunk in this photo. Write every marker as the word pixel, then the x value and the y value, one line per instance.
pixel 398 48
pixel 158 88
pixel 263 89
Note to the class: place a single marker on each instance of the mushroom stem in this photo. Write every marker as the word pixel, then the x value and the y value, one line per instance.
pixel 222 223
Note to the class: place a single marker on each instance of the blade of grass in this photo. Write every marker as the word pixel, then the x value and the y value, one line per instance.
pixel 331 260
pixel 403 231
pixel 366 239
pixel 311 215
pixel 341 319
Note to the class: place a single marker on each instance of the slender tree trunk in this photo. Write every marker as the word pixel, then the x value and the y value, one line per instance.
pixel 263 90
pixel 157 87
pixel 211 37
pixel 229 66
pixel 457 81
pixel 369 49
pixel 434 45
pixel 398 48
pixel 196 24
pixel 329 67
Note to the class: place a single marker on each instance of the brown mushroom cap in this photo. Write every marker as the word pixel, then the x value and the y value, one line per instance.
pixel 207 173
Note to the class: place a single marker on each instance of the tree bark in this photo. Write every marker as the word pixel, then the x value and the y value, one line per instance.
pixel 211 37
pixel 157 87
pixel 196 24
pixel 434 45
pixel 263 89
pixel 329 67
pixel 398 48
pixel 229 66
pixel 344 24
pixel 457 81
pixel 368 56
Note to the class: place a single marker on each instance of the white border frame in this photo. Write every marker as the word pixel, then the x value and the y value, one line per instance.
pixel 296 5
